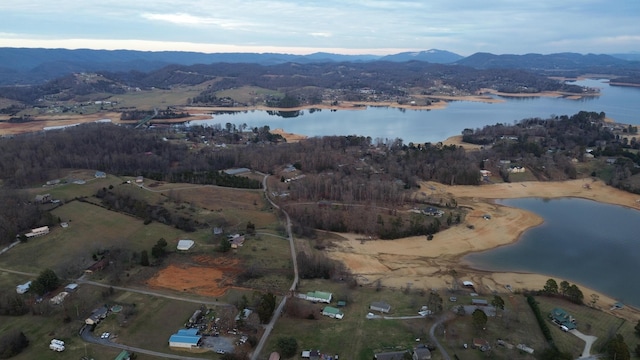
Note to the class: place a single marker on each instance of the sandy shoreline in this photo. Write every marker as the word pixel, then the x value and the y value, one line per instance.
pixel 426 264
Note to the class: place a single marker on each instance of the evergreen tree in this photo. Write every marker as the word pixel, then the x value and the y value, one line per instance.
pixel 46 281
pixel 144 258
pixel 617 349
pixel 287 346
pixel 266 306
pixel 479 319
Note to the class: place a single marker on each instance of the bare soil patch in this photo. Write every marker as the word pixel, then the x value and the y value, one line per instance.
pixel 202 274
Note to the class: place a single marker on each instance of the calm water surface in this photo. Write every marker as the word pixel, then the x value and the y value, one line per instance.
pixel 583 241
pixel 420 126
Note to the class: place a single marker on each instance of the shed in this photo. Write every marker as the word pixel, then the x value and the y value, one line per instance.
pixel 100 174
pixel 479 302
pixel 380 306
pixel 332 312
pixel 341 303
pixel 184 245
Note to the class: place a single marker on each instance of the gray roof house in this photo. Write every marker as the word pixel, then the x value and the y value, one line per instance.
pixel 380 306
pixel 421 353
pixel 391 355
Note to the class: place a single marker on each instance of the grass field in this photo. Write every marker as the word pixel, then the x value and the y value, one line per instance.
pixel 161 99
pixel 248 94
pixel 355 337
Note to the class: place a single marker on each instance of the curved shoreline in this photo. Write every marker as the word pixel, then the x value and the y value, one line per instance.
pixel 428 264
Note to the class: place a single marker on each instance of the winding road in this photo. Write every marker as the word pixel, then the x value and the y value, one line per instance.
pixel 269 327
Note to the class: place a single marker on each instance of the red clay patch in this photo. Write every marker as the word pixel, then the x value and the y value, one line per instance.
pixel 213 278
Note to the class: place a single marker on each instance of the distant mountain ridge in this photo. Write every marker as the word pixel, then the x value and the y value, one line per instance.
pixel 36 66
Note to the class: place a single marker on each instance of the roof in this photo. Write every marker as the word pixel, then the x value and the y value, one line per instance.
pixel 380 305
pixel 331 310
pixel 391 355
pixel 467 283
pixel 188 332
pixel 479 302
pixel 320 295
pixel 342 303
pixel 123 355
pixel 186 339
pixel 185 244
pixel 422 353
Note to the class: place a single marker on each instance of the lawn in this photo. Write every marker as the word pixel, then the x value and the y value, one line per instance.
pixel 590 321
pixel 157 98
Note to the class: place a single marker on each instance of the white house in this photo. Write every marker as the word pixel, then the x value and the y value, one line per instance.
pixel 184 245
pixel 319 296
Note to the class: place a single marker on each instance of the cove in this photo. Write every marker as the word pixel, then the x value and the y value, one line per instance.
pixel 583 241
pixel 419 126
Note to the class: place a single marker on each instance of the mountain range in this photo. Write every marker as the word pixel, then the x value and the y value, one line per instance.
pixel 37 65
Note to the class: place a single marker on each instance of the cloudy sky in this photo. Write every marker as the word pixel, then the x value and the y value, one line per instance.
pixel 338 26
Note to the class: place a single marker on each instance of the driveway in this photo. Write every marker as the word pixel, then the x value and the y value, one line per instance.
pixel 588 342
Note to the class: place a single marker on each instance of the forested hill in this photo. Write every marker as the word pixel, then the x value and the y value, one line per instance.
pixel 23 66
pixel 346 169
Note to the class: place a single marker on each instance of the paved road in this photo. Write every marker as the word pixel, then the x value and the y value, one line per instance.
pixel 87 336
pixel 276 315
pixel 433 338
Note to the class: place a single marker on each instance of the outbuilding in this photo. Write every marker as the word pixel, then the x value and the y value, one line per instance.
pixel 184 245
pixel 380 306
pixel 185 338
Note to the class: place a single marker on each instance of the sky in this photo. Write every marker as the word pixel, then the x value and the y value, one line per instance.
pixel 375 27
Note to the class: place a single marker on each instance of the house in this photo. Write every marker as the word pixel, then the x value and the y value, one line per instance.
pixel 185 338
pixel 139 180
pixel 97 315
pixel 44 230
pixel 236 241
pixel 391 355
pixel 98 265
pixel 380 306
pixel 516 169
pixel 184 245
pixel 332 312
pixel 71 287
pixel 431 211
pixel 100 175
pixel 485 173
pixel 479 302
pixel 124 355
pixel 319 296
pixel 421 353
pixel 41 199
pixel 562 318
pixel 23 288
pixel 467 283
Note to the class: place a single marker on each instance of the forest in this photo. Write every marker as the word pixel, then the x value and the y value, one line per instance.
pixel 340 171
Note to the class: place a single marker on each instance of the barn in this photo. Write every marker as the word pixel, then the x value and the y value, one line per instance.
pixel 185 338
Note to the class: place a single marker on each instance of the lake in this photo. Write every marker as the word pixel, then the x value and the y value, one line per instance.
pixel 419 126
pixel 582 241
pixel 586 242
